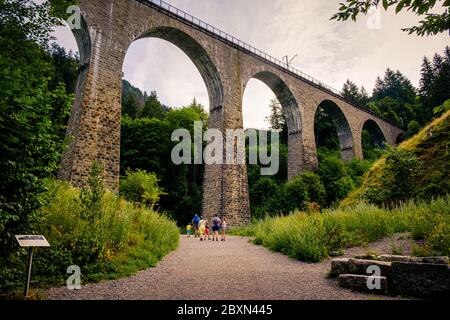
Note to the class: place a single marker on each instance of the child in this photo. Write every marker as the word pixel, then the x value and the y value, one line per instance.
pixel 224 227
pixel 202 228
pixel 188 230
pixel 207 232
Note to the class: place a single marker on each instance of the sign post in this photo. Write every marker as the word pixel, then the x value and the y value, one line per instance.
pixel 31 242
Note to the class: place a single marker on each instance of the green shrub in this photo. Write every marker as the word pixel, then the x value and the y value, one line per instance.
pixel 314 187
pixel 334 176
pixel 295 195
pixel 141 188
pixel 264 188
pixel 312 237
pixel 91 196
pixel 122 240
pixel 356 169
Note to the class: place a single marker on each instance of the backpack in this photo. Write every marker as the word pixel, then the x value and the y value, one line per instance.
pixel 196 220
pixel 216 222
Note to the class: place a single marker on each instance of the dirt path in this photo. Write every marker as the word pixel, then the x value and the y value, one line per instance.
pixel 232 270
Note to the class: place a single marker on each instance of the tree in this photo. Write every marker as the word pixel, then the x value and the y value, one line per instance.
pixel 325 131
pixel 434 84
pixel 146 144
pixel 432 23
pixel 395 97
pixel 315 189
pixel 262 190
pixel 66 65
pixel 364 98
pixel 200 110
pixel 133 100
pixel 397 178
pixel 31 115
pixel 153 108
pixel 277 119
pixel 295 195
pixel 141 188
pixel 427 77
pixel 350 91
pixel 440 90
pixel 413 128
pixel 355 95
pixel 394 85
pixel 334 177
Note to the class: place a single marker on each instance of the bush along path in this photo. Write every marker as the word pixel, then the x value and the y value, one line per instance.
pixel 231 270
pixel 103 234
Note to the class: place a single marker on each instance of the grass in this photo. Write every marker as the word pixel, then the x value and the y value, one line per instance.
pixel 121 240
pixel 313 237
pixel 431 146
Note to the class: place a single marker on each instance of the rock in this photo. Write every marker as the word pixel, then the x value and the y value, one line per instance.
pixel 366 257
pixel 432 260
pixel 361 283
pixel 339 266
pixel 422 280
pixel 394 258
pixel 358 266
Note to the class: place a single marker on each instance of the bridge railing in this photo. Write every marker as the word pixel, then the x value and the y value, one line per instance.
pixel 187 18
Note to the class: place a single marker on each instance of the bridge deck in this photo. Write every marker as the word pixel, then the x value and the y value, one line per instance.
pixel 230 40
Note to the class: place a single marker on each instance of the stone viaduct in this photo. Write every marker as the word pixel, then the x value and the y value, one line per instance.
pixel 108 28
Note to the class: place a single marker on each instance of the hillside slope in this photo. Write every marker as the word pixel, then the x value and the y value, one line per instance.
pixel 428 174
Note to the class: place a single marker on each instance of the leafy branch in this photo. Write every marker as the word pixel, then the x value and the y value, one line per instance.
pixel 432 23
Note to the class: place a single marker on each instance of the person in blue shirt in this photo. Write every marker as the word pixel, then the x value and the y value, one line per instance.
pixel 196 222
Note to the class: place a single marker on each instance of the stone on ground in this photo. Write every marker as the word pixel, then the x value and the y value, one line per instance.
pixel 362 283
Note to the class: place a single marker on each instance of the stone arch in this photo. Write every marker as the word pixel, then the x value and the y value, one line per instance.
pixel 197 54
pixel 285 97
pixel 293 118
pixel 379 138
pixel 344 132
pixel 400 138
pixel 84 43
pixel 83 40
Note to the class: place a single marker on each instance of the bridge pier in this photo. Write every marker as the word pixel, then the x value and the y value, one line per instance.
pixel 225 190
pixel 94 125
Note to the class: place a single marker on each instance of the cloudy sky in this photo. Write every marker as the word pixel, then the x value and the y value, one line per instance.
pixel 327 50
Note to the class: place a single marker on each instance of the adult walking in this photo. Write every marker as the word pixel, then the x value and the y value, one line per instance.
pixel 216 223
pixel 224 227
pixel 195 222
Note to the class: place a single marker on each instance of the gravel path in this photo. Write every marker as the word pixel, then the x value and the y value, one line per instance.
pixel 231 270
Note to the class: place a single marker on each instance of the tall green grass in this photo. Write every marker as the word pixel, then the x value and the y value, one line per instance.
pixel 313 237
pixel 121 240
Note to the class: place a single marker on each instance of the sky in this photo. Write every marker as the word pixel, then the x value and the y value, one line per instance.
pixel 330 51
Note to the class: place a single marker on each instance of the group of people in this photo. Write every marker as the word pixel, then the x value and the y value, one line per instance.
pixel 202 228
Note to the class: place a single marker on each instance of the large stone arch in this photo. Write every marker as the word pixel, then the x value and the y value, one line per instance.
pixel 293 118
pixel 344 132
pixel 197 54
pixel 377 133
pixel 94 125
